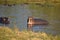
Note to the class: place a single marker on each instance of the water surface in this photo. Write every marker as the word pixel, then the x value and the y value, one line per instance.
pixel 19 13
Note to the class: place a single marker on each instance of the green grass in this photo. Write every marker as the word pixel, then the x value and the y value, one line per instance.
pixel 9 34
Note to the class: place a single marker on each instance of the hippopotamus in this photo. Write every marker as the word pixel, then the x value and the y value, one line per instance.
pixel 4 20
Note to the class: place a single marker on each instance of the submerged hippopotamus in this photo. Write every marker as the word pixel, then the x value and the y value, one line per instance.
pixel 4 20
pixel 35 21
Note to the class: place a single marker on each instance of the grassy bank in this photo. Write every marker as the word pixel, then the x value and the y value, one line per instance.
pixel 9 34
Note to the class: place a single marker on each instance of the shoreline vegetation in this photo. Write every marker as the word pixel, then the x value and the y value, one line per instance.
pixel 30 1
pixel 7 33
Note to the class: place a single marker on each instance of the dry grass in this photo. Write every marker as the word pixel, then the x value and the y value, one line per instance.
pixel 9 34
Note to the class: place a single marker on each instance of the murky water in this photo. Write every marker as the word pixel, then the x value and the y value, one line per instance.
pixel 19 13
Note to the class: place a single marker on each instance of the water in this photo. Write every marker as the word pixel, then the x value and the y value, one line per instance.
pixel 19 13
pixel 46 29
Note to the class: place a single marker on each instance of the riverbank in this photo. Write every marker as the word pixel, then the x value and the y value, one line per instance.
pixel 14 34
